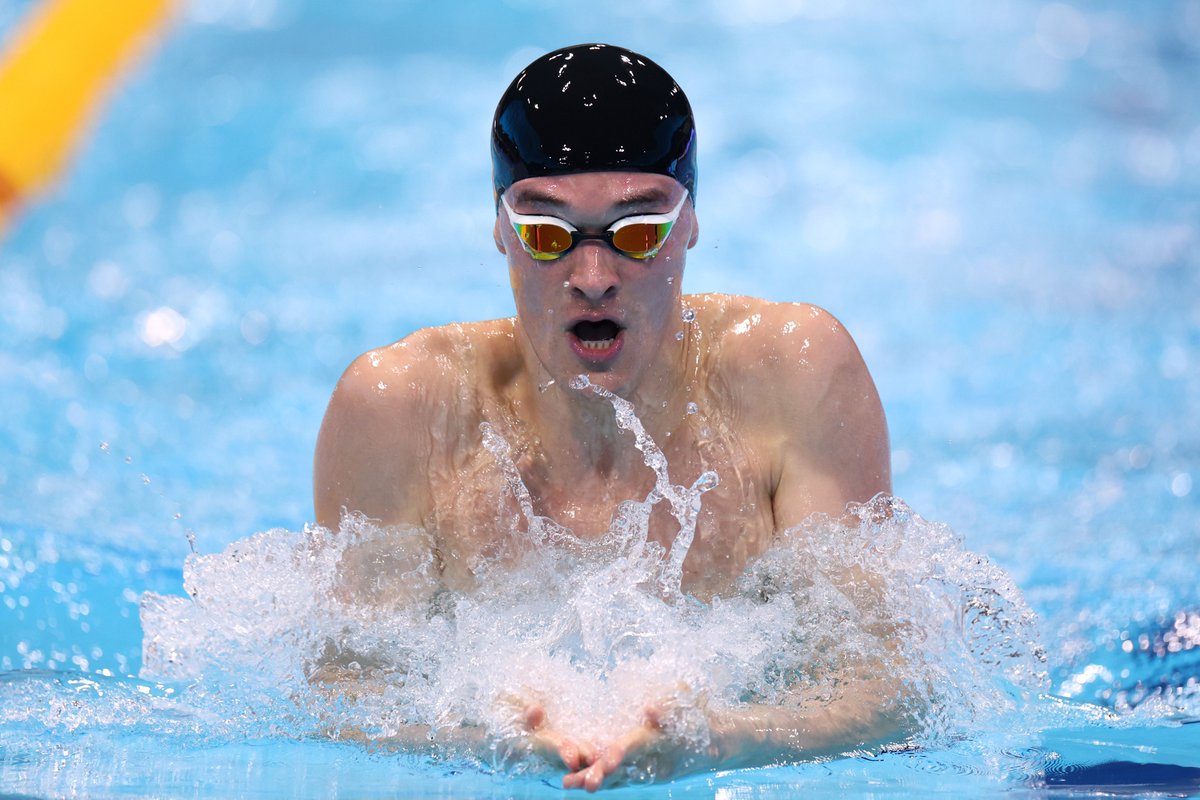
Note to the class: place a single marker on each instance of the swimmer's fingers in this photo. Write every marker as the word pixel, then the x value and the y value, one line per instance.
pixel 611 759
pixel 546 741
pixel 529 716
pixel 574 756
pixel 627 750
pixel 554 747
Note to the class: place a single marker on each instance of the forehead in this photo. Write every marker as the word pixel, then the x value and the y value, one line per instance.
pixel 596 192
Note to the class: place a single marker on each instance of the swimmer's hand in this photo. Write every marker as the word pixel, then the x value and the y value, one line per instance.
pixel 588 766
pixel 544 739
pixel 646 750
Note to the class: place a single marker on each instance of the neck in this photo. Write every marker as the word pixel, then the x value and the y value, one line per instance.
pixel 577 428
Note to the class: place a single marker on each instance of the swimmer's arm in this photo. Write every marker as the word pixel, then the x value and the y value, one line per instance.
pixel 374 447
pixel 527 732
pixel 338 685
pixel 868 716
pixel 833 450
pixel 829 437
pixel 752 735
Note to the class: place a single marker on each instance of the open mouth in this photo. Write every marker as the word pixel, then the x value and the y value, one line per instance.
pixel 598 335
pixel 596 340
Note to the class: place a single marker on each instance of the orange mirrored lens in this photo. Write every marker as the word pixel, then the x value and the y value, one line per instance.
pixel 544 238
pixel 640 238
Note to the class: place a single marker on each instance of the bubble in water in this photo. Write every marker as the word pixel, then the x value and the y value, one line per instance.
pixel 145 479
pixel 104 447
pixel 128 459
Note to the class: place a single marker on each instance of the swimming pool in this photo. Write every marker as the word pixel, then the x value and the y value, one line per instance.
pixel 1001 204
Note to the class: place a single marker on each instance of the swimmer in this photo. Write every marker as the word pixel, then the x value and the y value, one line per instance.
pixel 594 165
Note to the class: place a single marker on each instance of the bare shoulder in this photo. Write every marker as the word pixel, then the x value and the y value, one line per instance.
pixel 801 386
pixel 422 371
pixel 790 349
pixel 399 376
pixel 374 447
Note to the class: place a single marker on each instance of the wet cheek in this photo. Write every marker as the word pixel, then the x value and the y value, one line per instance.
pixel 534 305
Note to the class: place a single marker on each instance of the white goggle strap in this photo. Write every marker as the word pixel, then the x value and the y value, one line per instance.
pixel 651 219
pixel 530 219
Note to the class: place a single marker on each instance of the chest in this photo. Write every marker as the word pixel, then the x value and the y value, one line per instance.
pixel 481 506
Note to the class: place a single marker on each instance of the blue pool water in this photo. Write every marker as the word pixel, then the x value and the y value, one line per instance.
pixel 1001 201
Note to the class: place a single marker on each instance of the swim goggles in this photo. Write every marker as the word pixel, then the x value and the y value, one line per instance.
pixel 548 238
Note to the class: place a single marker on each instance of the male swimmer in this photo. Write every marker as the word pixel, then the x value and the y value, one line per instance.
pixel 594 164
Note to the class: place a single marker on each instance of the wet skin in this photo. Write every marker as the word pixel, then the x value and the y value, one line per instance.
pixel 785 412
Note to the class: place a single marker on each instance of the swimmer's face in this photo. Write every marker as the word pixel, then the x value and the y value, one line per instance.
pixel 595 310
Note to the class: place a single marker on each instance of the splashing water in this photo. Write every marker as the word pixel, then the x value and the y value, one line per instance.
pixel 349 633
pixel 685 502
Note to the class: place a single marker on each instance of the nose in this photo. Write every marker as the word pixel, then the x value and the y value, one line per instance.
pixel 593 274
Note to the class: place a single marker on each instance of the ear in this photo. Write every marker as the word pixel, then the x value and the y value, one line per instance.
pixel 496 235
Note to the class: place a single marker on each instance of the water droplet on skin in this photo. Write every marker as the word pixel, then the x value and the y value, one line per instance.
pixel 670 280
pixel 692 408
pixel 689 314
pixel 664 403
pixel 706 482
pixel 566 284
pixel 679 336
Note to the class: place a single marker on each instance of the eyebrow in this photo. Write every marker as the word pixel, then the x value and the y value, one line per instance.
pixel 645 196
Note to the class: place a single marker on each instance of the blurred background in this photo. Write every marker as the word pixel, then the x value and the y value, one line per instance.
pixel 999 199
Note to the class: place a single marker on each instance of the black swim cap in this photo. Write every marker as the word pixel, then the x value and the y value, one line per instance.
pixel 592 108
